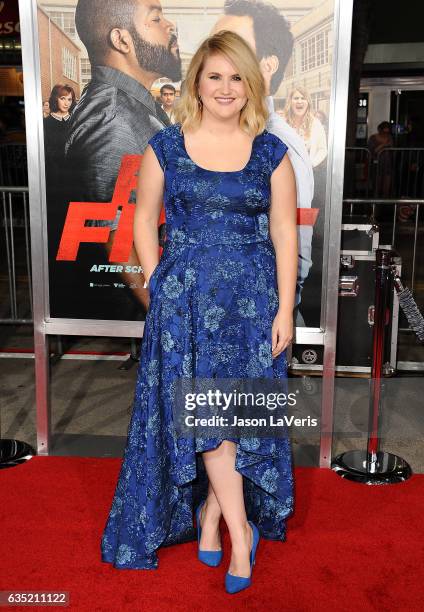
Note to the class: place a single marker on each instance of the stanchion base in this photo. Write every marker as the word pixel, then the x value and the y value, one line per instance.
pixel 388 468
pixel 14 452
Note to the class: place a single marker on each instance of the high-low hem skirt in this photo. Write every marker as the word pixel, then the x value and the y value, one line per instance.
pixel 198 325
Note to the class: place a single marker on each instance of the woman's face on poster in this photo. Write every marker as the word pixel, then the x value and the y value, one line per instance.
pixel 299 104
pixel 64 103
pixel 221 88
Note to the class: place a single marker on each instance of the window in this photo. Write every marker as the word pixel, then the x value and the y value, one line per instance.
pixel 303 57
pixel 310 54
pixel 65 20
pixel 294 61
pixel 317 97
pixel 85 67
pixel 69 64
pixel 322 48
pixel 314 51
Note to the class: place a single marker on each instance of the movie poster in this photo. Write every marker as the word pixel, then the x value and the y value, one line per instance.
pixel 103 99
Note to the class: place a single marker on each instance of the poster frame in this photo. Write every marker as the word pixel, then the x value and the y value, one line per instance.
pixel 44 325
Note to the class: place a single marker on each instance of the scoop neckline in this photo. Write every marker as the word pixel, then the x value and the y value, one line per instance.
pixel 219 171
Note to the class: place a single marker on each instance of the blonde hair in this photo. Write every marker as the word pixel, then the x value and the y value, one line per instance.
pixel 254 114
pixel 306 125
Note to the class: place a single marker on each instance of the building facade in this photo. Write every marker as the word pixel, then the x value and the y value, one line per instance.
pixel 62 65
pixel 62 14
pixel 311 63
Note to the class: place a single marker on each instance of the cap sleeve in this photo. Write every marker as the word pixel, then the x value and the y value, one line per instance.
pixel 278 150
pixel 156 142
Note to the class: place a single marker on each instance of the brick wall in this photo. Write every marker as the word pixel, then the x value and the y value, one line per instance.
pixel 52 64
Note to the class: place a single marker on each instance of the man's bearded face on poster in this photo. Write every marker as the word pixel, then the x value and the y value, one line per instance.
pixel 153 36
pixel 164 60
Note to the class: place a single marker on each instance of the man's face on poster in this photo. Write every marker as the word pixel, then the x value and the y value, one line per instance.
pixel 167 97
pixel 240 24
pixel 243 26
pixel 155 42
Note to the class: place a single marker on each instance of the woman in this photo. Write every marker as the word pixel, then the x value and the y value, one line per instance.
pixel 221 302
pixel 46 108
pixel 61 103
pixel 298 113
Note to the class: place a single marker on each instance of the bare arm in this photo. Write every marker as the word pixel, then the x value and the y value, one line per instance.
pixel 283 233
pixel 134 280
pixel 149 200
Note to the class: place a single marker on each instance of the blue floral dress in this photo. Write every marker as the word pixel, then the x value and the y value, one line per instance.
pixel 213 298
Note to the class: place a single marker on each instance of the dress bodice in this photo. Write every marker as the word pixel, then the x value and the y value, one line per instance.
pixel 216 207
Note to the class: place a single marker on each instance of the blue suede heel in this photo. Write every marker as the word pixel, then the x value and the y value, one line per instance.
pixel 234 584
pixel 209 557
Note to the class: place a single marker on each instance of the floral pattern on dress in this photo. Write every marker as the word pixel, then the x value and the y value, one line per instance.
pixel 213 298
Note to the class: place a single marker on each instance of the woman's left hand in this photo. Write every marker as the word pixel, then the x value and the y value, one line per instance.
pixel 282 332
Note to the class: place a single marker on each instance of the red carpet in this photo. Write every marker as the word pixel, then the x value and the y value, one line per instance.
pixel 350 547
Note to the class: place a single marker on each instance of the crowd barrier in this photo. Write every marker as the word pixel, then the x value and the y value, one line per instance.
pixel 395 172
pixel 15 261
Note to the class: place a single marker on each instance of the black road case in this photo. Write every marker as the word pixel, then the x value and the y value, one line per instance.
pixel 359 240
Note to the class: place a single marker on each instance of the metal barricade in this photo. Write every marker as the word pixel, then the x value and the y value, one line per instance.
pixel 399 173
pixel 15 266
pixel 13 164
pixel 396 172
pixel 389 189
pixel 358 180
pixel 401 225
